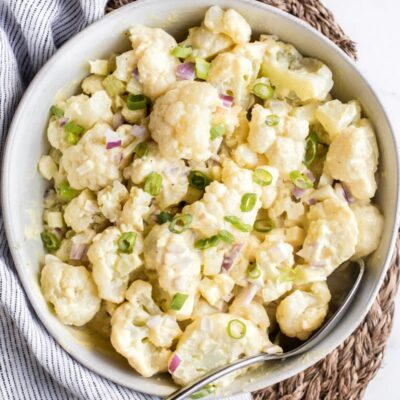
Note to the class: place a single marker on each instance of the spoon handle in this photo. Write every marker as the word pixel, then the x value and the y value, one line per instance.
pixel 212 376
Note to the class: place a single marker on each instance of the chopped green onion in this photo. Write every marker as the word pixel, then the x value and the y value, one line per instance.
pixel 217 131
pixel 311 148
pixel 142 150
pixel 153 184
pixel 57 111
pixel 180 223
pixel 74 132
pixel 272 120
pixel 113 85
pixel 263 91
pixel 226 236
pixel 262 177
pixel 203 244
pixel 253 271
pixel 198 180
pixel 203 392
pixel 201 68
pixel 178 301
pixel 248 202
pixel 182 51
pixel 163 217
pixel 263 225
pixel 136 102
pixel 237 223
pixel 126 242
pixel 66 192
pixel 300 180
pixel 236 329
pixel 50 241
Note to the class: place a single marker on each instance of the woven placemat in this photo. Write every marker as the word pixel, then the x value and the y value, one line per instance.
pixel 345 373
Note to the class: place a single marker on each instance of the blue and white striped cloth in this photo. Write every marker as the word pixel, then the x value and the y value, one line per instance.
pixel 32 364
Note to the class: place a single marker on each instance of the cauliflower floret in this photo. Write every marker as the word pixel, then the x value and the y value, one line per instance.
pixel 216 289
pixel 306 112
pixel 141 333
pixel 205 43
pixel 331 235
pixel 201 308
pixel 56 134
pixel 174 174
pixel 231 74
pixel 74 250
pixel 181 120
pixel 206 345
pixel 156 65
pixel 89 164
pixel 110 200
pixel 125 64
pixel 87 111
pixel 288 71
pixel 245 157
pixel 370 227
pixel 112 267
pixel 304 311
pixel 261 136
pixel 229 22
pixel 81 211
pixel 212 261
pixel 335 116
pixel 71 290
pixel 135 209
pixel 177 263
pixel 353 159
pixel 92 84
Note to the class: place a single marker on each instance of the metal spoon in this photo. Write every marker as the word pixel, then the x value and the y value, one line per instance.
pixel 356 269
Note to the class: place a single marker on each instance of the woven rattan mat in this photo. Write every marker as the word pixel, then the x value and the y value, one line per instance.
pixel 345 373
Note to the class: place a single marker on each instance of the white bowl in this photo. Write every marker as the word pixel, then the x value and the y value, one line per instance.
pixel 22 186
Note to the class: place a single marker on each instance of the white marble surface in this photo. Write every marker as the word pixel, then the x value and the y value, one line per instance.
pixel 375 27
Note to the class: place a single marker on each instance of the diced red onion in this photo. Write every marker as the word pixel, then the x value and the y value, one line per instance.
pixel 78 251
pixel 185 71
pixel 230 259
pixel 63 121
pixel 309 175
pixel 312 201
pixel 119 157
pixel 112 139
pixel 112 145
pixel 297 192
pixel 343 191
pixel 154 322
pixel 117 120
pixel 139 131
pixel 227 101
pixel 174 363
pixel 135 74
pixel 58 232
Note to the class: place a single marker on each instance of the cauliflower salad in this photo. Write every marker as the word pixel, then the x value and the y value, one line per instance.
pixel 200 195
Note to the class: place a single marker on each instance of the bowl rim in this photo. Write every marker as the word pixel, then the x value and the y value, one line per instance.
pixel 9 151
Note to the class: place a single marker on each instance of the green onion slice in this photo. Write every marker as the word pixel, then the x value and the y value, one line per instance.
pixel 57 111
pixel 272 120
pixel 253 271
pixel 262 177
pixel 236 329
pixel 182 51
pixel 74 132
pixel 126 242
pixel 163 217
pixel 300 180
pixel 114 86
pixel 66 192
pixel 50 241
pixel 311 149
pixel 153 184
pixel 248 202
pixel 180 223
pixel 203 244
pixel 263 91
pixel 201 68
pixel 142 149
pixel 237 223
pixel 217 131
pixel 264 225
pixel 203 392
pixel 198 180
pixel 226 236
pixel 136 102
pixel 178 301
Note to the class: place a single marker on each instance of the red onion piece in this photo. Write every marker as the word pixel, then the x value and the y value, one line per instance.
pixel 232 257
pixel 112 145
pixel 227 101
pixel 344 192
pixel 310 176
pixel 112 139
pixel 78 251
pixel 312 201
pixel 185 71
pixel 174 363
pixel 135 74
pixel 63 121
pixel 139 131
pixel 298 193
pixel 117 120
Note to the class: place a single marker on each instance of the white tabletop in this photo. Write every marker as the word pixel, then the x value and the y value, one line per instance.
pixel 375 27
